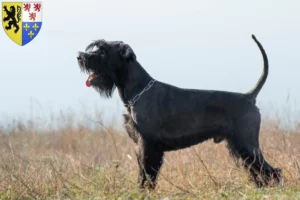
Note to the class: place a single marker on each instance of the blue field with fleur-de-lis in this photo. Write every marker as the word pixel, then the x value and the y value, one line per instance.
pixel 22 21
pixel 30 31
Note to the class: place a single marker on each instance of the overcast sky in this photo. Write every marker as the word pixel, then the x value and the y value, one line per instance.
pixel 204 44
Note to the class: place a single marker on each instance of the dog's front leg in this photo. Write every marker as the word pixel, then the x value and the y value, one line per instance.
pixel 149 154
pixel 141 174
pixel 150 159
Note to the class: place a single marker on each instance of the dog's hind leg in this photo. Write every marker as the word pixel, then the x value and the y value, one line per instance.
pixel 249 158
pixel 246 147
pixel 261 171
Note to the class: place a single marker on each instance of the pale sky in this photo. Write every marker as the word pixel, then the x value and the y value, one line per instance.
pixel 203 44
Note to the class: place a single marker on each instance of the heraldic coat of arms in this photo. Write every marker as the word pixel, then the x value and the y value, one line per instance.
pixel 22 21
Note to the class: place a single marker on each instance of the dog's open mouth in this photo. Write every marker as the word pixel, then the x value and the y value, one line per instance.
pixel 90 78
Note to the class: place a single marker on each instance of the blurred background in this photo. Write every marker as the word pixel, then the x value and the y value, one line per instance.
pixel 59 139
pixel 193 44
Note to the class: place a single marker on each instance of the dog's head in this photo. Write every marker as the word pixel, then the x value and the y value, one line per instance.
pixel 105 63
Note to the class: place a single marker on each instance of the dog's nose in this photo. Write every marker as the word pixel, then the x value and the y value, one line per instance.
pixel 79 58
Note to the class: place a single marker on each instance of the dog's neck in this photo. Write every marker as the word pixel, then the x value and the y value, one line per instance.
pixel 136 79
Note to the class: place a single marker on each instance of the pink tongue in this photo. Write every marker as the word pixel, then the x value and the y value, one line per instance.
pixel 91 76
pixel 87 83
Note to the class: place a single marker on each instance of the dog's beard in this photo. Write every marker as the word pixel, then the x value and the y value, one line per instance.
pixel 102 80
pixel 104 84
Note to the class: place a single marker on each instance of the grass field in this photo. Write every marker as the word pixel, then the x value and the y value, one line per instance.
pixel 99 163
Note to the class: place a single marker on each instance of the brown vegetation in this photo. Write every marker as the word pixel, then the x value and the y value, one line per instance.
pixel 80 163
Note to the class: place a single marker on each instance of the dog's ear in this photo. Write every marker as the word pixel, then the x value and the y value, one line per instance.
pixel 127 53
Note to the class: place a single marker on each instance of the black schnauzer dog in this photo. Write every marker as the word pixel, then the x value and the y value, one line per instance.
pixel 162 117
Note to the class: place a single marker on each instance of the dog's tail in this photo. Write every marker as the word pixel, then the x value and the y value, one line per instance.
pixel 254 92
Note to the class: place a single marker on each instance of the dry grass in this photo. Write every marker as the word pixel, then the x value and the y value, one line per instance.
pixel 81 163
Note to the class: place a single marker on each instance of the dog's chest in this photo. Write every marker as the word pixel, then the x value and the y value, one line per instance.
pixel 133 116
pixel 146 120
pixel 139 117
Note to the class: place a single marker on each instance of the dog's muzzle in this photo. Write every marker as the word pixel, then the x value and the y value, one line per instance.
pixel 81 60
pixel 90 78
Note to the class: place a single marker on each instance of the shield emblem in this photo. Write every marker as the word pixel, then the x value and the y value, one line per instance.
pixel 22 21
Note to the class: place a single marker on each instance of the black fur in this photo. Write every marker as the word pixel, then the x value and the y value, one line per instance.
pixel 167 118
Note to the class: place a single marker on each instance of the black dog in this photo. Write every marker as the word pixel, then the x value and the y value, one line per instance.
pixel 163 117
